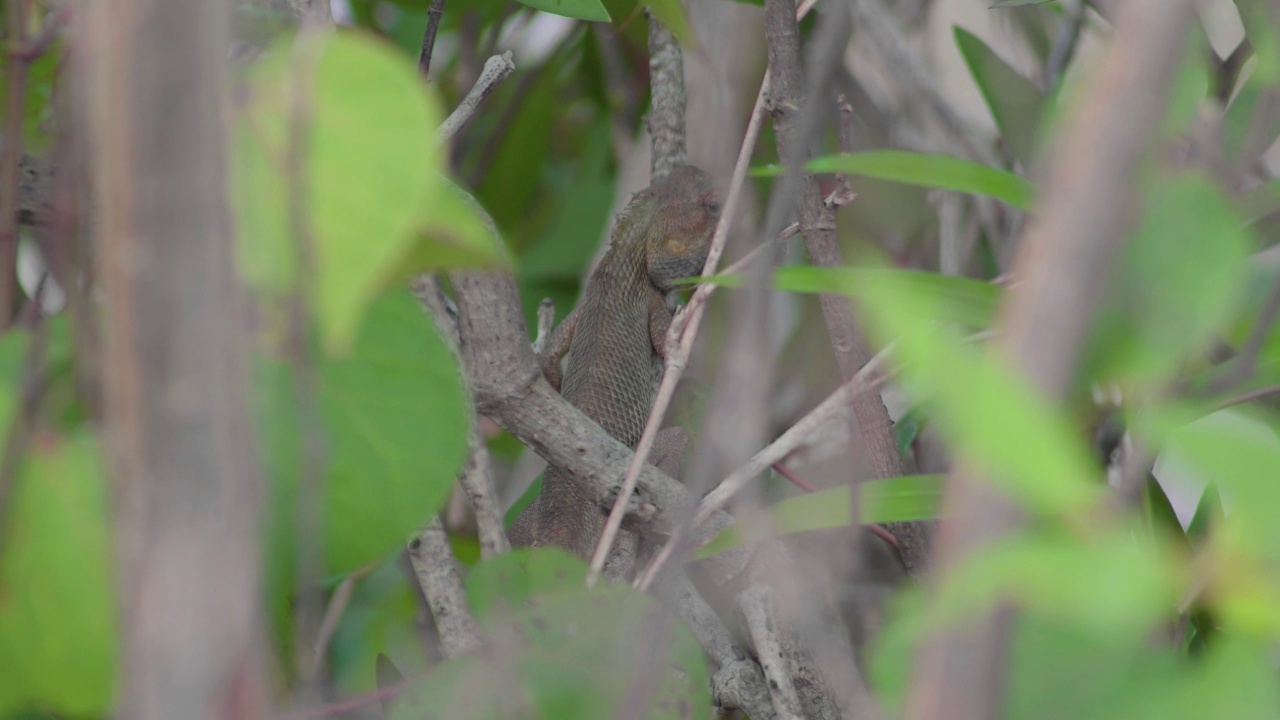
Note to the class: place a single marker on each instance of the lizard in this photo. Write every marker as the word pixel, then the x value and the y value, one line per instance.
pixel 615 341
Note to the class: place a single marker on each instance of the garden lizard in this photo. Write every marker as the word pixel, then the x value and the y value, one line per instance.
pixel 615 342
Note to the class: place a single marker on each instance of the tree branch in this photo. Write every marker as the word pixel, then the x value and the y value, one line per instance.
pixel 666 89
pixel 433 564
pixel 496 69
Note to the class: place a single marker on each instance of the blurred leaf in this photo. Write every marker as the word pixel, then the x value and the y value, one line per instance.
pixel 984 408
pixel 378 626
pixel 671 15
pixel 1181 277
pixel 392 415
pixel 57 604
pixel 371 167
pixel 899 499
pixel 37 117
pixel 566 249
pixel 1111 586
pixel 509 581
pixel 581 9
pixel 575 655
pixel 1017 3
pixel 932 171
pixel 510 183
pixel 1240 456
pixel 907 429
pixel 1259 20
pixel 1015 102
pixel 971 303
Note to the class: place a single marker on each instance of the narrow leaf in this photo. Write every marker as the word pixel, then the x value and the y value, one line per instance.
pixel 1015 102
pixel 900 499
pixel 932 171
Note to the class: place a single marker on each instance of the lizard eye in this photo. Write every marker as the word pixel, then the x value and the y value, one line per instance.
pixel 712 205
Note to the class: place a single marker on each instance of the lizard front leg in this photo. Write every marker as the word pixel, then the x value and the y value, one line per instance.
pixel 556 347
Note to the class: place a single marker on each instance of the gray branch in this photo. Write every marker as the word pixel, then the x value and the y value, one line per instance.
pixel 434 566
pixel 666 88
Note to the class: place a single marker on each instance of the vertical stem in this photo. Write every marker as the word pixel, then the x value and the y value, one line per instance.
pixel 666 116
pixel 186 497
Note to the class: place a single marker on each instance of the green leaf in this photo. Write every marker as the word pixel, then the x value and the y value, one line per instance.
pixel 931 171
pixel 564 251
pixel 1183 275
pixel 526 498
pixel 371 172
pixel 57 605
pixel 968 302
pixel 1017 3
pixel 511 580
pixel 393 422
pixel 581 9
pixel 380 622
pixel 984 408
pixel 671 15
pixel 1113 587
pixel 1239 455
pixel 1208 512
pixel 574 655
pixel 907 429
pixel 1015 102
pixel 900 499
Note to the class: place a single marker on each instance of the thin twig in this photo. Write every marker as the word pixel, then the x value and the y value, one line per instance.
pixel 1251 396
pixel 788 441
pixel 683 332
pixel 786 472
pixel 776 451
pixel 333 615
pixel 434 13
pixel 352 703
pixel 496 69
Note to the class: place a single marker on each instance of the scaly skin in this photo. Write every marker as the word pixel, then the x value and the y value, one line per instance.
pixel 615 343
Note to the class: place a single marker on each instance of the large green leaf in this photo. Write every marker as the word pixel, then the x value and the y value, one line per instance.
pixel 899 499
pixel 575 654
pixel 392 417
pixel 57 606
pixel 1182 276
pixel 370 169
pixel 988 413
pixel 1015 102
pixel 510 580
pixel 931 171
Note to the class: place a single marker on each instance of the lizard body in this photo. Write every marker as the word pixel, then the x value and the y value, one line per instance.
pixel 615 344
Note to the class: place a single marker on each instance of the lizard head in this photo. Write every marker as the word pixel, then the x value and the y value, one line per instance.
pixel 686 207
